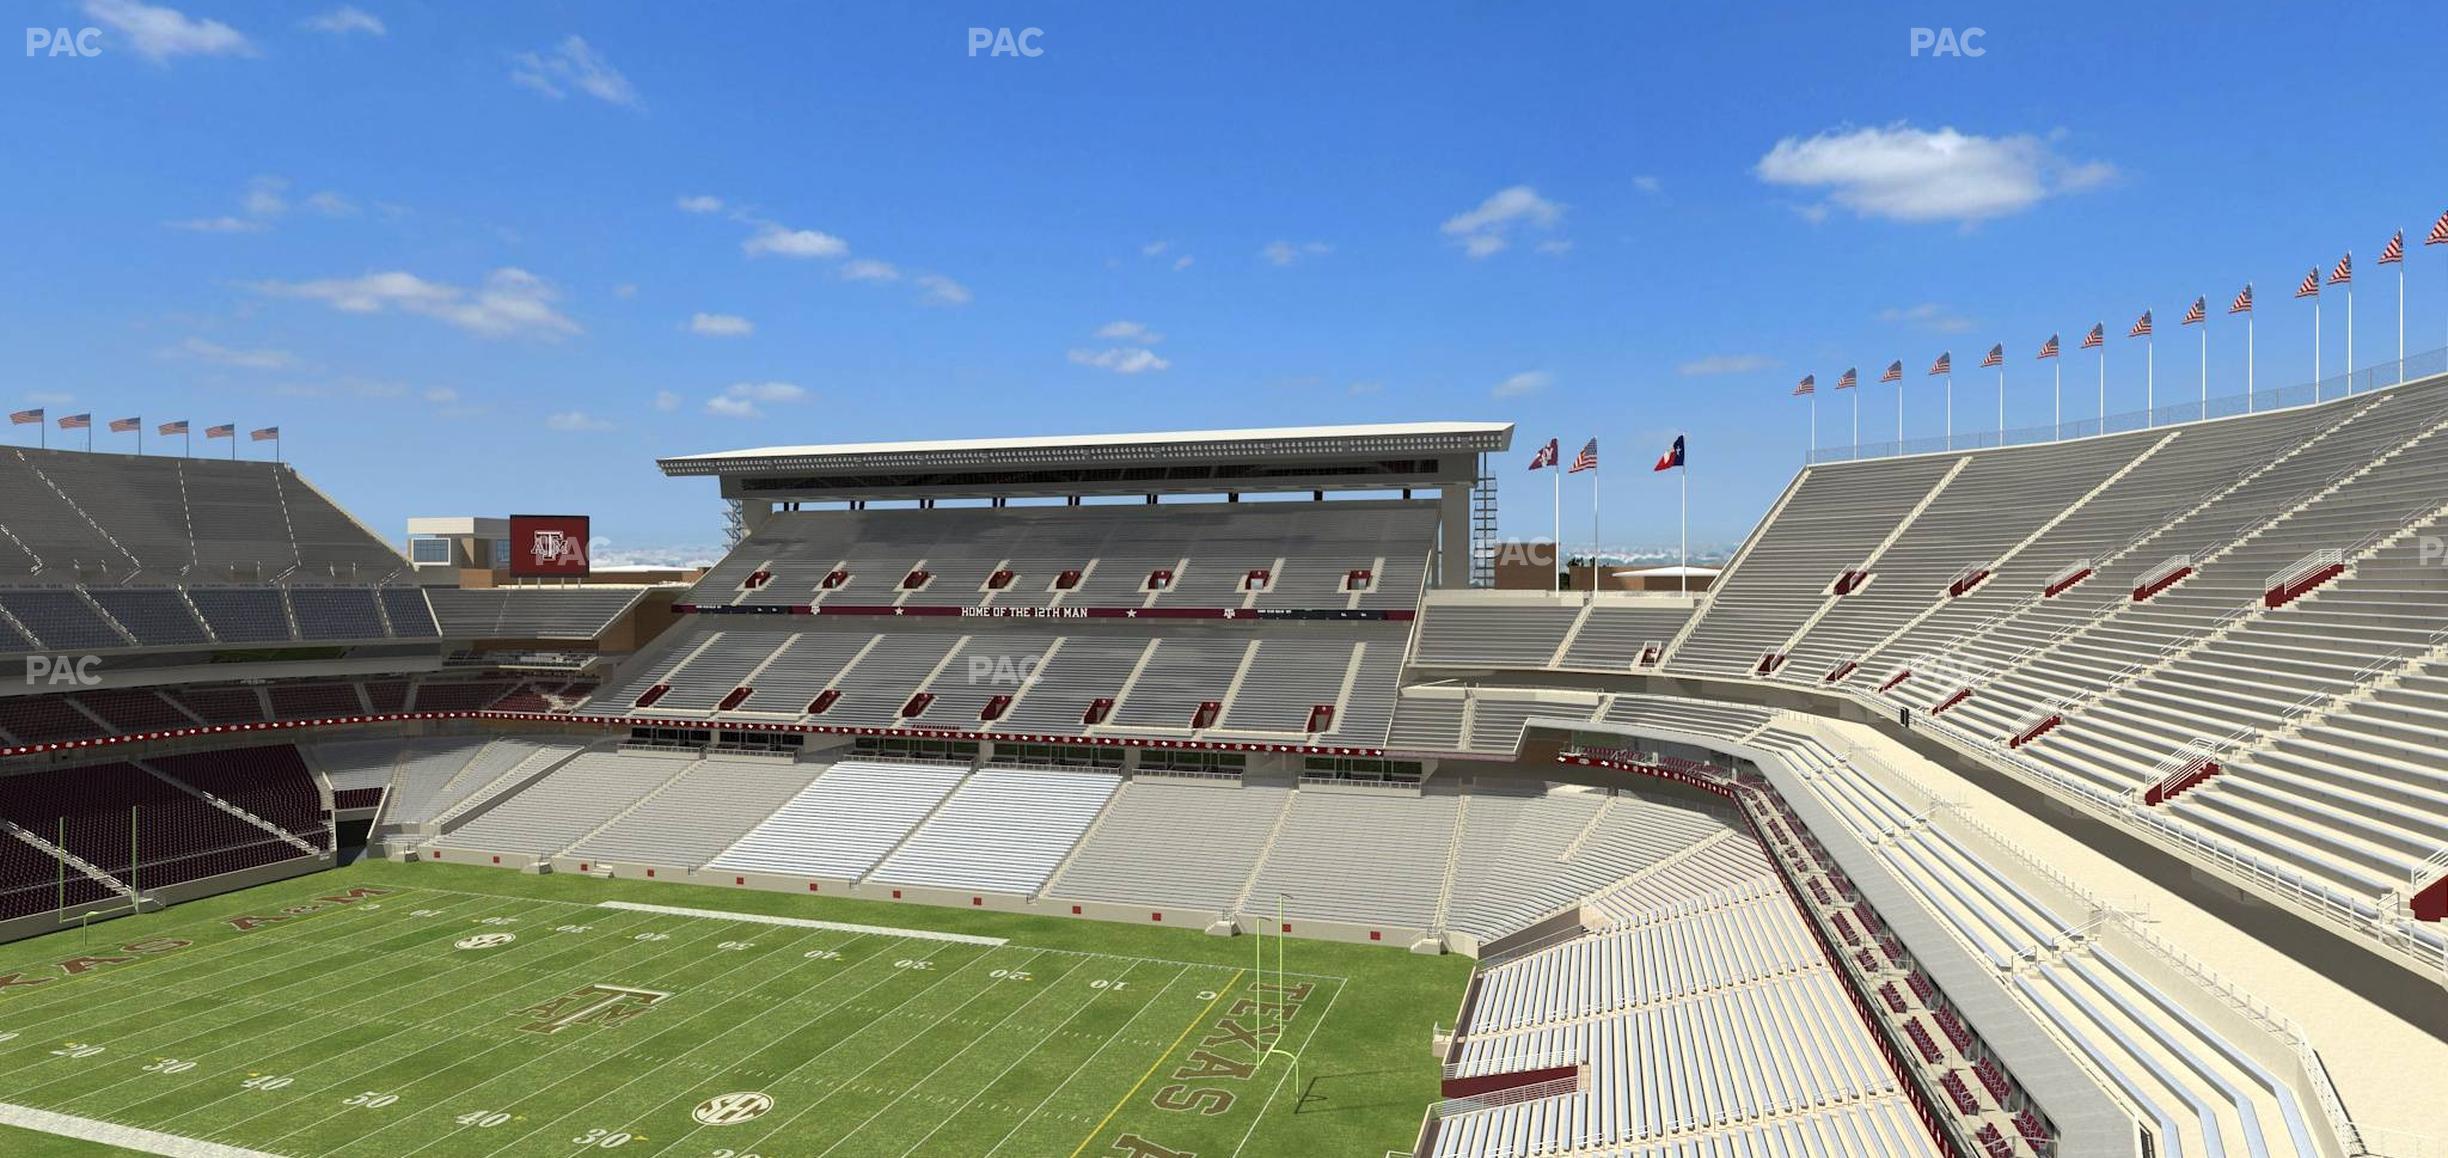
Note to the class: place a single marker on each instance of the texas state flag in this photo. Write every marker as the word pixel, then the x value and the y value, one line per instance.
pixel 1673 456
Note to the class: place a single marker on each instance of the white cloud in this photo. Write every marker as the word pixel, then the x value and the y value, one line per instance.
pixel 1555 247
pixel 219 355
pixel 1361 389
pixel 440 396
pixel 1526 382
pixel 666 401
pixel 221 224
pixel 1120 360
pixel 1287 252
pixel 721 325
pixel 157 34
pixel 780 241
pixel 510 302
pixel 1906 174
pixel 1129 332
pixel 1927 316
pixel 869 269
pixel 331 204
pixel 701 203
pixel 1155 248
pixel 1182 262
pixel 740 399
pixel 573 63
pixel 1489 228
pixel 266 197
pixel 1647 184
pixel 625 290
pixel 941 291
pixel 345 20
pixel 576 422
pixel 1725 364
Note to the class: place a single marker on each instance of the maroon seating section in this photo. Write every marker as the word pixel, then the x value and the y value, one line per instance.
pixel 178 837
pixel 30 882
pixel 222 705
pixel 386 696
pixel 131 710
pixel 272 782
pixel 314 701
pixel 347 798
pixel 41 719
pixel 458 697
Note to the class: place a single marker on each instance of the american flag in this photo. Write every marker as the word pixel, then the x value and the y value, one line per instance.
pixel 2394 254
pixel 169 428
pixel 223 431
pixel 124 425
pixel 2344 273
pixel 2097 337
pixel 1808 385
pixel 26 418
pixel 1995 357
pixel 267 434
pixel 2439 232
pixel 1848 380
pixel 2141 327
pixel 2048 349
pixel 1944 365
pixel 1587 459
pixel 2199 313
pixel 2311 284
pixel 1546 456
pixel 76 422
pixel 2243 302
pixel 1895 371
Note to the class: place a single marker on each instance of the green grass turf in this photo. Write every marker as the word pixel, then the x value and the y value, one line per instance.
pixel 393 1041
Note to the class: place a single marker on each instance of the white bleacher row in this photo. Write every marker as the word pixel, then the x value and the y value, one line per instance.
pixel 1881 1127
pixel 1004 830
pixel 1787 1046
pixel 530 612
pixel 1179 842
pixel 107 618
pixel 1728 870
pixel 1703 950
pixel 1524 857
pixel 1308 547
pixel 844 821
pixel 2204 1092
pixel 567 803
pixel 1480 629
pixel 707 808
pixel 1267 681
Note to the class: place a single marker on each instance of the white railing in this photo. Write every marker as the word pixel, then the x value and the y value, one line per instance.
pixel 1544 1060
pixel 2305 567
pixel 2167 567
pixel 1963 577
pixel 2431 869
pixel 2037 715
pixel 2067 573
pixel 1557 1087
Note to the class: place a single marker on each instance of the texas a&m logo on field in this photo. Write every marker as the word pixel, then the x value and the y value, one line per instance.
pixel 603 1006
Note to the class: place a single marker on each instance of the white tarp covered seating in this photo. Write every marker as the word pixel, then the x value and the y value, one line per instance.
pixel 843 823
pixel 1004 830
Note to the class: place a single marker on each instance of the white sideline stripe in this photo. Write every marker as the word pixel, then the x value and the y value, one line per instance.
pixel 114 1134
pixel 804 923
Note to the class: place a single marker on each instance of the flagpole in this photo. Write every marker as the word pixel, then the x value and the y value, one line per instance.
pixel 2001 404
pixel 2103 386
pixel 2058 366
pixel 1899 415
pixel 1813 449
pixel 2205 362
pixel 2401 319
pixel 2248 362
pixel 2150 378
pixel 2316 344
pixel 1857 422
pixel 1950 407
pixel 1683 471
pixel 2350 337
pixel 1558 468
pixel 1593 591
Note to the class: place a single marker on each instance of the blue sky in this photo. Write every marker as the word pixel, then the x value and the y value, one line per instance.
pixel 475 258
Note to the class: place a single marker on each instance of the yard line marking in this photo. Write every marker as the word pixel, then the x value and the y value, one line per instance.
pixel 807 923
pixel 114 1134
pixel 1161 1058
pixel 1023 1056
pixel 1117 1035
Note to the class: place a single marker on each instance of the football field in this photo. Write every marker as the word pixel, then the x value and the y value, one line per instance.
pixel 389 1009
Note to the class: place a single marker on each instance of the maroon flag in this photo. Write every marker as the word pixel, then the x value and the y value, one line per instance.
pixel 2048 349
pixel 1808 385
pixel 2199 313
pixel 1895 372
pixel 1944 365
pixel 1546 456
pixel 229 430
pixel 1995 357
pixel 1847 380
pixel 170 428
pixel 2344 273
pixel 76 422
pixel 2141 327
pixel 2311 284
pixel 124 425
pixel 2243 302
pixel 2395 253
pixel 1586 460
pixel 26 418
pixel 267 434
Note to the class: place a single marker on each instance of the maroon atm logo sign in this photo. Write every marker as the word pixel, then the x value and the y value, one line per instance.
pixel 544 546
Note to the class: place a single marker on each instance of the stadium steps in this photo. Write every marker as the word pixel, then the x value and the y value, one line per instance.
pixel 1453 864
pixel 72 860
pixel 1240 900
pixel 1870 563
pixel 198 612
pixel 933 674
pixel 81 513
pixel 1054 879
pixel 2191 642
pixel 1572 633
pixel 1232 689
pixel 885 857
pixel 1121 694
pixel 686 767
pixel 1589 828
pixel 1045 659
pixel 284 834
pixel 1733 565
pixel 1872 654
pixel 533 767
